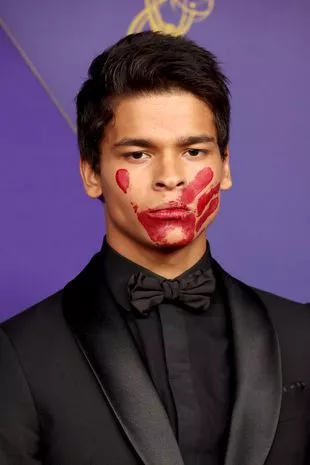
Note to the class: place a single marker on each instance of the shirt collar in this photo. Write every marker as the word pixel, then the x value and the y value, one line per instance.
pixel 118 269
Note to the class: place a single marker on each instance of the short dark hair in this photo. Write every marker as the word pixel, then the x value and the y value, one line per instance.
pixel 143 63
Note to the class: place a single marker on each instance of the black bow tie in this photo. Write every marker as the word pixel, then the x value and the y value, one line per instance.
pixel 194 291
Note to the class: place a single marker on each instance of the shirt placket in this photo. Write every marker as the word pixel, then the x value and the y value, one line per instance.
pixel 180 378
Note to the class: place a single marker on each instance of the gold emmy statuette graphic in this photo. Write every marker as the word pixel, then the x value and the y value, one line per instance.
pixel 190 12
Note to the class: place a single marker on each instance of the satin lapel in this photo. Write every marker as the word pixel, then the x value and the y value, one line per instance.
pixel 258 373
pixel 111 354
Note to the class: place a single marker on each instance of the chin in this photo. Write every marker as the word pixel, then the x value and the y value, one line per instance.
pixel 173 243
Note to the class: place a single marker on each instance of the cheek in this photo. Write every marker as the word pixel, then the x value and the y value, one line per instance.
pixel 201 181
pixel 122 179
pixel 134 206
pixel 205 199
pixel 211 208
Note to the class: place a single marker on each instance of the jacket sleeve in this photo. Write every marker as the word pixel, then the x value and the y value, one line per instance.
pixel 19 428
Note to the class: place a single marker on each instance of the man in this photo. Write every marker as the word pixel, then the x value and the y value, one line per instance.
pixel 154 355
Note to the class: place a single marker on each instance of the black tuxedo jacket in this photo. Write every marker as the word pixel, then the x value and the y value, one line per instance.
pixel 74 391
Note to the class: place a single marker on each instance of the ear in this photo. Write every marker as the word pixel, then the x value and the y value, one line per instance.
pixel 226 181
pixel 91 180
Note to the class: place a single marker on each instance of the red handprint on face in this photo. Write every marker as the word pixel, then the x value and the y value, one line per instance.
pixel 208 202
pixel 195 187
pixel 161 221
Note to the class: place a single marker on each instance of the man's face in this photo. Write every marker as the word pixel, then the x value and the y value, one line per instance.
pixel 161 170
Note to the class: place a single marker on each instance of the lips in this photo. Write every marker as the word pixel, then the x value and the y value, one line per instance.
pixel 172 210
pixel 172 205
pixel 169 213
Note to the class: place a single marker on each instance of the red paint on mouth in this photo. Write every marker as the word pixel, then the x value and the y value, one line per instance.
pixel 158 227
pixel 122 179
pixel 170 205
pixel 168 213
pixel 201 181
pixel 211 209
pixel 205 199
pixel 159 222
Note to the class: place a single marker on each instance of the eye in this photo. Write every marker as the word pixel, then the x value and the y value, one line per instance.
pixel 194 153
pixel 135 156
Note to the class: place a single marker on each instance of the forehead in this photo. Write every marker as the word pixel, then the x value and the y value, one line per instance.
pixel 165 115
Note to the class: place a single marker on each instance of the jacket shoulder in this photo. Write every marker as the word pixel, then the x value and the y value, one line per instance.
pixel 276 303
pixel 291 321
pixel 38 319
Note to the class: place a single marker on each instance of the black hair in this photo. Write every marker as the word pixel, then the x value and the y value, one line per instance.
pixel 144 63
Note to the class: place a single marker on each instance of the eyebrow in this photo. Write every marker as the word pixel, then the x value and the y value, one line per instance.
pixel 181 142
pixel 192 140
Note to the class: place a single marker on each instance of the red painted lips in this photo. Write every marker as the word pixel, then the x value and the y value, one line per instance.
pixel 169 213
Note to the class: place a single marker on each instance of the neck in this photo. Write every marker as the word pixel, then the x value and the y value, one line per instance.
pixel 168 263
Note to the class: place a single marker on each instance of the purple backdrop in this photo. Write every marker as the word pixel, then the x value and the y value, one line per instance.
pixel 49 228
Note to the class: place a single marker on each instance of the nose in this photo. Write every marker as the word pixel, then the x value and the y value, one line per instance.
pixel 169 176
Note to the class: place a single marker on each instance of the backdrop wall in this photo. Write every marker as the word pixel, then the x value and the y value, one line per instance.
pixel 49 229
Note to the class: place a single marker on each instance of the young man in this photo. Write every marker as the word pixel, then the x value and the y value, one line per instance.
pixel 154 355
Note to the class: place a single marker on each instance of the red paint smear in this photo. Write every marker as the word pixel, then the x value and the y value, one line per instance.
pixel 201 181
pixel 158 229
pixel 211 209
pixel 122 179
pixel 135 207
pixel 205 199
